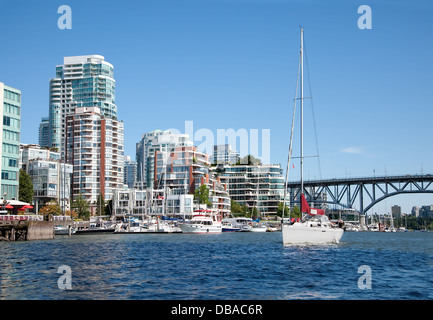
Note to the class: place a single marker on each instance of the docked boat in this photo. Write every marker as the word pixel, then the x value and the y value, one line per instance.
pixel 315 227
pixel 351 227
pixel 96 230
pixel 202 224
pixel 259 228
pixel 241 224
pixel 163 226
pixel 374 227
pixel 148 226
pixel 63 230
pixel 228 226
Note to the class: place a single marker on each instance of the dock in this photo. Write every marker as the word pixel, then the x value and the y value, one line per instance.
pixel 25 228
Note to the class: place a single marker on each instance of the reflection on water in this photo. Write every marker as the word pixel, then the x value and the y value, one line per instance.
pixel 226 266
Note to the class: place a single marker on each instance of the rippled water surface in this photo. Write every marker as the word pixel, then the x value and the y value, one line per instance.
pixel 225 266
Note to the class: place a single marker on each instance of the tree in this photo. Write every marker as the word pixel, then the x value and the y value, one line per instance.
pixel 249 160
pixel 241 210
pixel 295 212
pixel 25 187
pixel 71 213
pixel 100 206
pixel 202 195
pixel 81 207
pixel 52 207
pixel 237 208
pixel 280 210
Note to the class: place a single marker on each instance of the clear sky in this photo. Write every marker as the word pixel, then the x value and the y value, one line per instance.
pixel 233 64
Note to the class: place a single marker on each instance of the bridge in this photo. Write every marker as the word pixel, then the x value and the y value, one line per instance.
pixel 365 191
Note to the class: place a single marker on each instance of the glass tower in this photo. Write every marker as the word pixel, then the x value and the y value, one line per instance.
pixel 10 108
pixel 82 81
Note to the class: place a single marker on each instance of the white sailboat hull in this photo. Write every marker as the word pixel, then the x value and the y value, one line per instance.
pixel 299 233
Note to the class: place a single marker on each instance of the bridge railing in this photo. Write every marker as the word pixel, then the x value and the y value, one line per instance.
pixel 402 177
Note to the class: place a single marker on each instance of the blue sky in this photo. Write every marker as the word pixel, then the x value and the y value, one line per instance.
pixel 233 64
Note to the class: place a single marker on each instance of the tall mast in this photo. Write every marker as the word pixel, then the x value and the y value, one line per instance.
pixel 302 115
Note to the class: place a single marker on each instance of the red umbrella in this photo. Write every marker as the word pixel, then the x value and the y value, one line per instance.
pixel 26 207
pixel 9 206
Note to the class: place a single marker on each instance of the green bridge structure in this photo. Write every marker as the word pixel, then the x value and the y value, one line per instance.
pixel 365 192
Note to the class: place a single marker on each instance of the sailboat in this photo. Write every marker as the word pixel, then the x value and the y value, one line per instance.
pixel 315 227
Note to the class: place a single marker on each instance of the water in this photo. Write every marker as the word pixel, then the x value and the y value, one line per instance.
pixel 252 266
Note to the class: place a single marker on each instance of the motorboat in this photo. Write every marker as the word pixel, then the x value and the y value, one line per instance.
pixel 63 230
pixel 259 228
pixel 149 226
pixel 228 226
pixel 374 227
pixel 202 224
pixel 241 224
pixel 96 229
pixel 351 227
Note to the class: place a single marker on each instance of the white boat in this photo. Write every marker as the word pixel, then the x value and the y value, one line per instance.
pixel 163 226
pixel 373 227
pixel 241 224
pixel 315 227
pixel 391 227
pixel 62 230
pixel 259 228
pixel 228 226
pixel 312 229
pixel 202 224
pixel 96 229
pixel 149 226
pixel 351 227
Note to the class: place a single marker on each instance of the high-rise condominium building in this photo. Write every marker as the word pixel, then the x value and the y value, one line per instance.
pixel 10 109
pixel 145 153
pixel 82 81
pixel 129 172
pixel 50 176
pixel 95 149
pixel 44 132
pixel 259 186
pixel 179 168
pixel 224 154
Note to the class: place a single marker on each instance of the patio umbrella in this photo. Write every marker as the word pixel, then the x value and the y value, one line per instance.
pixel 9 206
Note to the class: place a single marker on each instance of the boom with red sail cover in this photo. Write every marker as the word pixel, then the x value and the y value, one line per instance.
pixel 305 207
